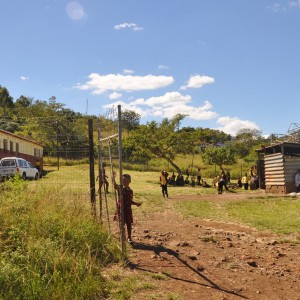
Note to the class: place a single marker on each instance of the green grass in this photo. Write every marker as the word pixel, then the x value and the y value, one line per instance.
pixel 199 209
pixel 276 214
pixel 52 248
pixel 279 215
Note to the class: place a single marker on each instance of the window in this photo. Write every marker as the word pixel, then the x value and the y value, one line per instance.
pixel 37 152
pixel 22 163
pixel 8 163
pixel 5 144
pixel 11 146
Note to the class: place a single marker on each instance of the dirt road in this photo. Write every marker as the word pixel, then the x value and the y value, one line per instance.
pixel 203 259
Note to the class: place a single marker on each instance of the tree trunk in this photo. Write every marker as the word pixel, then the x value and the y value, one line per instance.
pixel 222 169
pixel 172 164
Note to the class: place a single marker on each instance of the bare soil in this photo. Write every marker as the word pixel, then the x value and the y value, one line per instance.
pixel 204 259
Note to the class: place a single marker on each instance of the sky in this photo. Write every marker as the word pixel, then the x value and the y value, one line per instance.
pixel 225 64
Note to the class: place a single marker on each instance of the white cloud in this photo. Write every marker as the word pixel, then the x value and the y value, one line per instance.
pixel 279 7
pixel 75 10
pixel 99 84
pixel 163 67
pixel 276 7
pixel 114 96
pixel 126 106
pixel 170 104
pixel 127 71
pixel 294 3
pixel 132 26
pixel 198 81
pixel 24 78
pixel 231 125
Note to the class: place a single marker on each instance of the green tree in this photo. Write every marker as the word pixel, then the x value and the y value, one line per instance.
pixel 207 136
pixel 162 140
pixel 6 101
pixel 23 102
pixel 225 155
pixel 245 140
pixel 7 120
pixel 130 120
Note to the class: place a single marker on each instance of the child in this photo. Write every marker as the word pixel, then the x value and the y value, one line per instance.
pixel 239 182
pixel 245 181
pixel 127 200
pixel 193 180
pixel 221 183
pixel 163 180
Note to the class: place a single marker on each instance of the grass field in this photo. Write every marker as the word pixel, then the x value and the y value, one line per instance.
pixel 52 248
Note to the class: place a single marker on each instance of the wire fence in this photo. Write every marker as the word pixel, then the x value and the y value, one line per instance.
pixel 88 166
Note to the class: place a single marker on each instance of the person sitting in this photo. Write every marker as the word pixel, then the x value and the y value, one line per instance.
pixel 187 181
pixel 204 183
pixel 193 181
pixel 172 179
pixel 215 181
pixel 180 180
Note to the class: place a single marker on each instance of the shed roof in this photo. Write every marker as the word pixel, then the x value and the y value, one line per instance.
pixel 286 148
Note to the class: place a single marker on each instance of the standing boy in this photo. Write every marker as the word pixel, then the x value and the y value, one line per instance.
pixel 128 201
pixel 163 179
pixel 245 181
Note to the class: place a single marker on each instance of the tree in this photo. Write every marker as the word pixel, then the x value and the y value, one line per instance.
pixel 245 140
pixel 23 102
pixel 211 136
pixel 57 128
pixel 6 101
pixel 130 120
pixel 220 156
pixel 7 120
pixel 160 140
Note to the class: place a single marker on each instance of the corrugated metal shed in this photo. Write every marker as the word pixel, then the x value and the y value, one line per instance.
pixel 279 163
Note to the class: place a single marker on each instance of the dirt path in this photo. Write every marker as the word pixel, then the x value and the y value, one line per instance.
pixel 203 259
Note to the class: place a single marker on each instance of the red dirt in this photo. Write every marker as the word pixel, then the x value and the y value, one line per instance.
pixel 205 259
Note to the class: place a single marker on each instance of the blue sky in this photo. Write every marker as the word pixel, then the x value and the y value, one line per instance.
pixel 227 64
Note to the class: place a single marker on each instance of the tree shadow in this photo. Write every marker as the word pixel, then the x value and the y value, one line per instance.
pixel 157 249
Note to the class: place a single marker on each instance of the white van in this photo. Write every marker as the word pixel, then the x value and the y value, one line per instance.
pixel 10 166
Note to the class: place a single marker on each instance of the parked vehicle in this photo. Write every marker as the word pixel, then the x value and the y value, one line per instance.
pixel 10 166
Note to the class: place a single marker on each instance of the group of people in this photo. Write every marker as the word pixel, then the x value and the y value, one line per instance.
pixel 251 181
pixel 179 180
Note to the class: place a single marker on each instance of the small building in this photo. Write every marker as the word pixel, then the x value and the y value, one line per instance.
pixel 277 167
pixel 15 145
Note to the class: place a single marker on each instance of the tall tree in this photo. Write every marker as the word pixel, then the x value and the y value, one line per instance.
pixel 160 140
